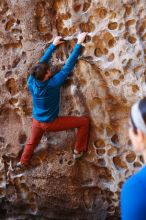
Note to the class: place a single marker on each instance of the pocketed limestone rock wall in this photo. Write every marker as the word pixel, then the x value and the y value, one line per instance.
pixel 108 78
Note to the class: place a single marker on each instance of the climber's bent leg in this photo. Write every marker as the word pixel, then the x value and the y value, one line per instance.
pixel 36 135
pixel 69 122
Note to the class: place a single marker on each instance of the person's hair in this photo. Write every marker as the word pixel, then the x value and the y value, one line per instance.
pixel 39 71
pixel 55 68
pixel 142 108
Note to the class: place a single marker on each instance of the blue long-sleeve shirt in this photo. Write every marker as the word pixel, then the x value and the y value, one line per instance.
pixel 133 197
pixel 46 94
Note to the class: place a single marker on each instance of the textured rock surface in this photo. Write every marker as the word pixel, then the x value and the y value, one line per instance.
pixel 109 77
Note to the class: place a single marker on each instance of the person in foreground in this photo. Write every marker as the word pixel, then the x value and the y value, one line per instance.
pixel 133 194
pixel 44 87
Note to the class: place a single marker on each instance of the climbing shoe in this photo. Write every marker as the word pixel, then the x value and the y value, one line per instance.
pixel 77 155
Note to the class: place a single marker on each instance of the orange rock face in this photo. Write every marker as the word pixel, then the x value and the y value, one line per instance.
pixel 108 78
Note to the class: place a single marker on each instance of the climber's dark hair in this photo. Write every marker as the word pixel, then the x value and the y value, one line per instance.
pixel 142 108
pixel 39 71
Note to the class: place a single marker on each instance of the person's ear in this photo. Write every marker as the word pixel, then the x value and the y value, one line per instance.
pixel 49 73
pixel 140 135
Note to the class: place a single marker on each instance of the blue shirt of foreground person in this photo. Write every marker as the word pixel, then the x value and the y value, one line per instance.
pixel 133 195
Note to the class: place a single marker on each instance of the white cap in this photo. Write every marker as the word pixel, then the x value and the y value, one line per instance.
pixel 137 117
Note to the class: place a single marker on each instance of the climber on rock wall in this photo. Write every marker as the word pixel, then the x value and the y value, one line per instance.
pixel 45 87
pixel 133 194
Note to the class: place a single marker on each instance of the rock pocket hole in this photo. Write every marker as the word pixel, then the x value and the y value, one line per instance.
pixel 111 43
pixel 100 51
pixel 3 67
pixel 11 86
pixel 86 5
pixel 8 73
pixel 141 158
pixel 18 21
pixel 13 101
pixel 137 164
pixel 132 39
pixel 87 39
pixel 112 25
pixel 22 138
pixel 116 82
pixel 9 24
pixel 77 7
pixel 105 174
pixel 111 57
pixel 61 160
pixel 129 143
pixel 111 151
pixel 109 131
pixel 128 9
pixel 101 12
pixel 106 73
pixel 130 157
pixel 70 162
pixel 99 143
pixel 87 27
pixel 121 77
pixel 15 62
pixel 130 22
pixel 121 26
pixel 2 139
pixel 120 184
pixel 135 88
pixel 115 139
pixel 100 151
pixel 101 162
pixel 119 164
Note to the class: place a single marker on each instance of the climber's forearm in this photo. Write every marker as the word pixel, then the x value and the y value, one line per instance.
pixel 61 76
pixel 47 55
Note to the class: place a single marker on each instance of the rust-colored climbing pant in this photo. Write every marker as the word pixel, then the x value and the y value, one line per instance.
pixel 59 124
